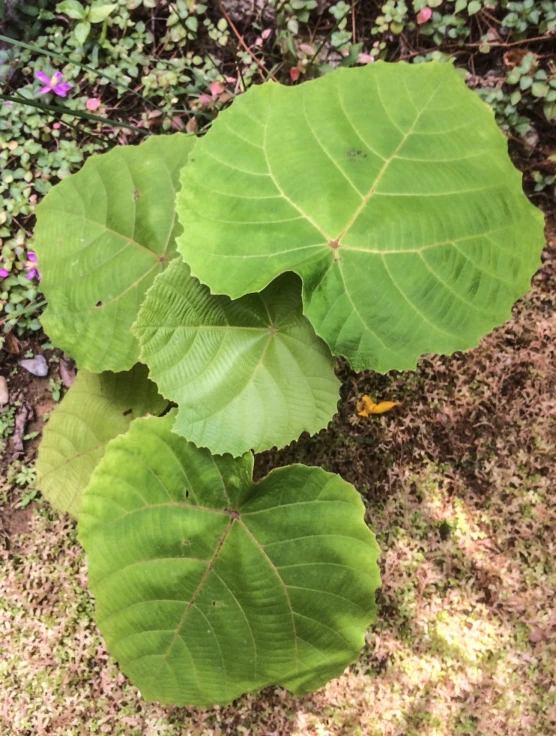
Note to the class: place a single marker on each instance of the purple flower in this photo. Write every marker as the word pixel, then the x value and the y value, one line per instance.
pixel 56 84
pixel 31 266
pixel 4 273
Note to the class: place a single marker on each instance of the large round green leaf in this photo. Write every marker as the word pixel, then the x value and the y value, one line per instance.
pixel 387 188
pixel 246 374
pixel 97 408
pixel 209 585
pixel 102 235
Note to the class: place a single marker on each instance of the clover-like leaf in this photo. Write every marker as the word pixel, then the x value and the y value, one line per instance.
pixel 387 188
pixel 246 374
pixel 97 408
pixel 102 235
pixel 209 585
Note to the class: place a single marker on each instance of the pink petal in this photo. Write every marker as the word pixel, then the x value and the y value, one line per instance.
pixel 44 90
pixel 4 273
pixel 62 89
pixel 216 88
pixel 424 15
pixel 93 103
pixel 55 126
pixel 365 59
pixel 31 274
pixel 41 76
pixel 266 33
pixel 31 256
pixel 57 77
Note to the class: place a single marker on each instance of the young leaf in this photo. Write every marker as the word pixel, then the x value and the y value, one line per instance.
pixel 102 235
pixel 82 31
pixel 72 9
pixel 96 409
pixel 209 585
pixel 388 189
pixel 246 374
pixel 99 13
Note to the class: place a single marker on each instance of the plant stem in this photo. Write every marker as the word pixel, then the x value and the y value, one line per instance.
pixel 325 40
pixel 76 113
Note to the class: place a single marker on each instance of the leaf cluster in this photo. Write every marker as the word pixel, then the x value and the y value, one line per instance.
pixel 87 15
pixel 201 594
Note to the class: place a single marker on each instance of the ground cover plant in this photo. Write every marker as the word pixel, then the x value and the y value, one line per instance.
pixel 296 57
pixel 178 64
pixel 184 578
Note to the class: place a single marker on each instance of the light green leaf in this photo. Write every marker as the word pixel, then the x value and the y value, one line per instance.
pixel 209 585
pixel 102 235
pixel 549 110
pixel 82 31
pixel 540 89
pixel 72 9
pixel 387 188
pixel 473 7
pixel 97 408
pixel 246 374
pixel 99 13
pixel 515 97
pixel 192 23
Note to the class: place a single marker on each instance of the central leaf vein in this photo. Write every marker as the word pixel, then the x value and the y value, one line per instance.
pixel 387 163
pixel 193 600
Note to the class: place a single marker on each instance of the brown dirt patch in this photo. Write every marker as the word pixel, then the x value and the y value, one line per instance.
pixel 33 391
pixel 14 522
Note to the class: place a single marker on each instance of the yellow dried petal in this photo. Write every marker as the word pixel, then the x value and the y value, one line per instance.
pixel 366 406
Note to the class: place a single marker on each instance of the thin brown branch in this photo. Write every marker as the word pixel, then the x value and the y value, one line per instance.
pixel 242 41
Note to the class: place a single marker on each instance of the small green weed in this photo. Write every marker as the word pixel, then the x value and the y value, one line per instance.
pixel 7 423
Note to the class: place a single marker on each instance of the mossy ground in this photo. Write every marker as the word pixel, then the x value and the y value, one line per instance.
pixel 459 487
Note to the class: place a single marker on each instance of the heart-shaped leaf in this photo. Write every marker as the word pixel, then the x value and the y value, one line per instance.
pixel 209 585
pixel 388 189
pixel 97 408
pixel 102 235
pixel 246 374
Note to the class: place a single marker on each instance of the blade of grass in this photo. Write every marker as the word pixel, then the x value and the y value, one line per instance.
pixel 242 41
pixel 67 60
pixel 329 36
pixel 32 307
pixel 274 70
pixel 75 113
